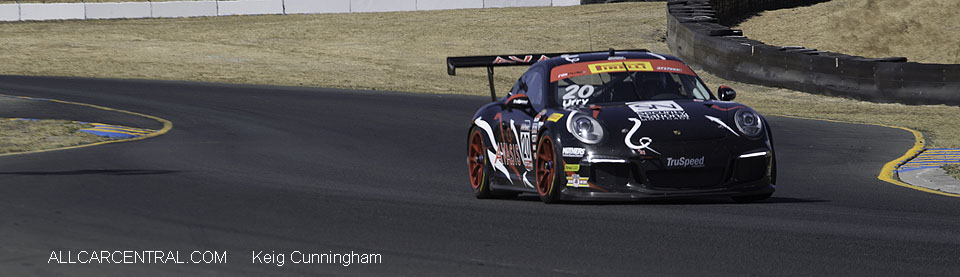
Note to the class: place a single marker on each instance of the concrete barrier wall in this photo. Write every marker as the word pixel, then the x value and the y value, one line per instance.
pixel 9 12
pixel 184 8
pixel 315 6
pixel 566 2
pixel 250 7
pixel 112 10
pixel 118 10
pixel 448 4
pixel 59 11
pixel 382 5
pixel 695 35
pixel 515 3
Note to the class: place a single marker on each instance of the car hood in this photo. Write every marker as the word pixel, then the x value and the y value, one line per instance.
pixel 668 120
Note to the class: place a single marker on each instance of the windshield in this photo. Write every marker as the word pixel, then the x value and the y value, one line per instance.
pixel 578 85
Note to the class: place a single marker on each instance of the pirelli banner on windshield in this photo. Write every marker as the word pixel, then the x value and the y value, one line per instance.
pixel 635 65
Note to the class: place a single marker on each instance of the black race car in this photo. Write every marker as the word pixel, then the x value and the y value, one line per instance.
pixel 615 125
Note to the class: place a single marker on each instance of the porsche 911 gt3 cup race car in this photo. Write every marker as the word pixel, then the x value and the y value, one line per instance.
pixel 615 125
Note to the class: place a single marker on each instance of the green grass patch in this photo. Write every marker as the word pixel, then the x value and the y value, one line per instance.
pixel 403 51
pixel 31 135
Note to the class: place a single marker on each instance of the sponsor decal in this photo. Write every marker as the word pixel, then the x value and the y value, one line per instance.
pixel 620 67
pixel 593 67
pixel 509 154
pixel 515 59
pixel 555 117
pixel 573 152
pixel 644 141
pixel 664 68
pixel 497 163
pixel 686 162
pixel 659 110
pixel 518 152
pixel 571 167
pixel 526 155
pixel 577 95
pixel 578 182
pixel 571 58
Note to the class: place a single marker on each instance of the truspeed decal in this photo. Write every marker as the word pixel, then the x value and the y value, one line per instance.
pixel 633 65
pixel 686 162
pixel 515 59
pixel 658 110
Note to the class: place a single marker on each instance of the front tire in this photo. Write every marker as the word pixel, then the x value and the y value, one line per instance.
pixel 549 180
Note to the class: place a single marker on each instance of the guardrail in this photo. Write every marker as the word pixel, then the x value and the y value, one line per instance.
pixel 117 10
pixel 695 34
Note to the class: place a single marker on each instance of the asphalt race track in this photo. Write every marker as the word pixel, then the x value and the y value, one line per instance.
pixel 278 169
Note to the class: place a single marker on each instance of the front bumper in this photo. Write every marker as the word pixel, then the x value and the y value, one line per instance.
pixel 617 178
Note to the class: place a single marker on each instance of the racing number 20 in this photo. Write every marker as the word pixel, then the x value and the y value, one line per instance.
pixel 576 91
pixel 577 95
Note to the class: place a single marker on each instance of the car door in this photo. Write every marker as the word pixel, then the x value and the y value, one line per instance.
pixel 517 130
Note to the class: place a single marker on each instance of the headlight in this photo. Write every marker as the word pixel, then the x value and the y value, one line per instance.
pixel 585 128
pixel 749 123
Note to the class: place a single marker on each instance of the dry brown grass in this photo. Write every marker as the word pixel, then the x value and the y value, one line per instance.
pixel 925 31
pixel 953 170
pixel 391 51
pixel 400 51
pixel 22 136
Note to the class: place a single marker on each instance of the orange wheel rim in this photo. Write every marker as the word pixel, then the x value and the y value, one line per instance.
pixel 475 160
pixel 545 166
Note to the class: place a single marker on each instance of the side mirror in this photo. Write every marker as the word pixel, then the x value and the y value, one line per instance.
pixel 726 93
pixel 519 101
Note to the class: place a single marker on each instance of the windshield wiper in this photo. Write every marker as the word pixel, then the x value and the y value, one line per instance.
pixel 633 78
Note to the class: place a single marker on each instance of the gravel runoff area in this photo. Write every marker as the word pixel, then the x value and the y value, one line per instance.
pixel 402 51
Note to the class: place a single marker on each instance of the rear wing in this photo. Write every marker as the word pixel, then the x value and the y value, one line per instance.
pixel 508 60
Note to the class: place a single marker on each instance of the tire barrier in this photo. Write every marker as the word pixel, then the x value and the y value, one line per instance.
pixel 696 35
